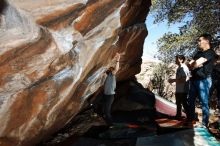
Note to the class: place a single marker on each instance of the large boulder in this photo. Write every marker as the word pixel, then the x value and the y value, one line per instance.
pixel 53 54
pixel 131 96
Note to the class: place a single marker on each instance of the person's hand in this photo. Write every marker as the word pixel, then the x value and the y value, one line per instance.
pixel 191 64
pixel 194 65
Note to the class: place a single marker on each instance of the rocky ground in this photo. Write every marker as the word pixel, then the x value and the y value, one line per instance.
pixel 94 131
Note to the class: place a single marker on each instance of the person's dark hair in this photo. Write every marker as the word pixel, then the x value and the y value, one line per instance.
pixel 207 36
pixel 182 57
pixel 109 70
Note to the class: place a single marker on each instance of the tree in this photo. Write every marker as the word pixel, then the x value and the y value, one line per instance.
pixel 161 73
pixel 197 16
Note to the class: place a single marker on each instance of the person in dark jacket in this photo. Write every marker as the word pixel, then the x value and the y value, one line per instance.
pixel 200 83
pixel 182 86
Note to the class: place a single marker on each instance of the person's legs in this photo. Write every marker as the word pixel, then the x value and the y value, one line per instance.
pixel 217 89
pixel 218 93
pixel 185 104
pixel 107 106
pixel 204 88
pixel 192 99
pixel 178 105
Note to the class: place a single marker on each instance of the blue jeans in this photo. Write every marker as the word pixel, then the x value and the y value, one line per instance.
pixel 218 93
pixel 201 89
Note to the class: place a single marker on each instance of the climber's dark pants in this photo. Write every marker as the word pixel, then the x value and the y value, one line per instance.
pixel 108 100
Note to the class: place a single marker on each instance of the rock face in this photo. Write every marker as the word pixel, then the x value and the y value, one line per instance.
pixel 53 54
pixel 146 74
pixel 133 97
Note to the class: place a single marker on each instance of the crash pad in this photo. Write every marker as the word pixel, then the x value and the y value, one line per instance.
pixel 189 137
pixel 166 107
pixel 169 123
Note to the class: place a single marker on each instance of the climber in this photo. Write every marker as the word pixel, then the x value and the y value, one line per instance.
pixel 109 88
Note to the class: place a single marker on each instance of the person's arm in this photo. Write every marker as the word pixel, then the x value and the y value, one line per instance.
pixel 191 61
pixel 116 68
pixel 117 57
pixel 198 63
pixel 180 80
pixel 104 76
pixel 209 55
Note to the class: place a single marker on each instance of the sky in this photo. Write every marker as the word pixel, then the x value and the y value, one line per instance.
pixel 155 31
